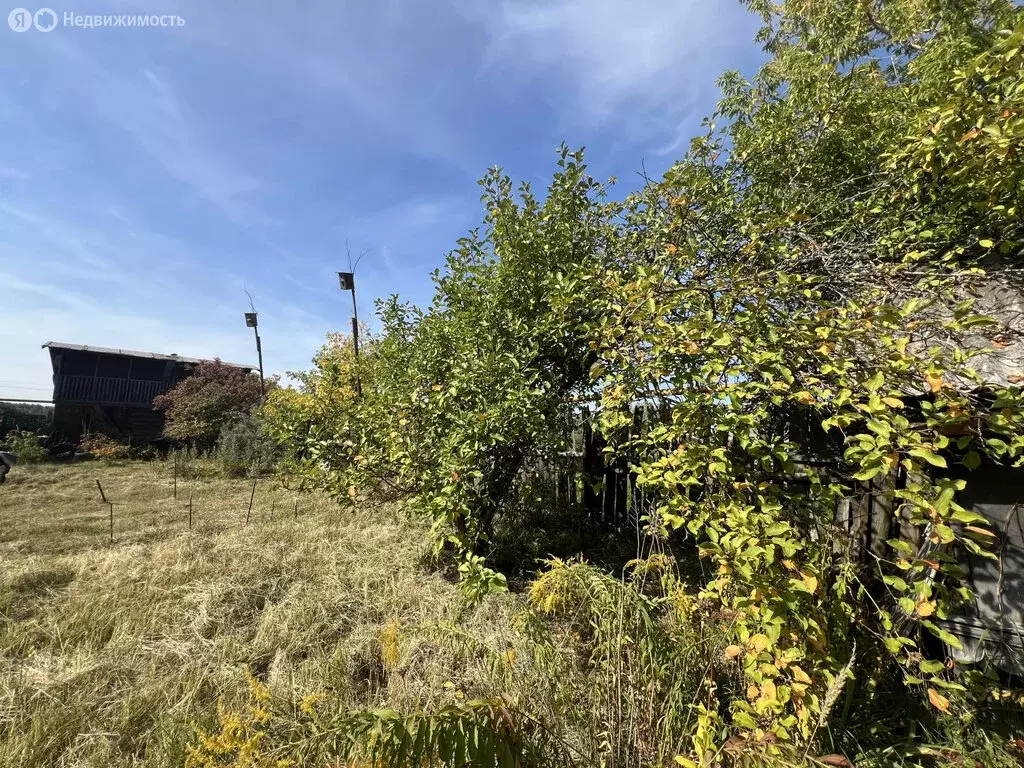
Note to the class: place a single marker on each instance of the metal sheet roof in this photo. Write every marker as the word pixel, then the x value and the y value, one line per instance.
pixel 133 353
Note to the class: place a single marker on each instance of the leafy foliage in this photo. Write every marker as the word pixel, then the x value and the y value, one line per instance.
pixel 105 447
pixel 478 733
pixel 807 298
pixel 27 446
pixel 214 395
pixel 459 398
pixel 28 416
pixel 243 448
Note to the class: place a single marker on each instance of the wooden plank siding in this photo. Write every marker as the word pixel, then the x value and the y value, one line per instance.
pixel 108 390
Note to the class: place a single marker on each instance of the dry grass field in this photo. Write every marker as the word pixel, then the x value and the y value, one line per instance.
pixel 112 654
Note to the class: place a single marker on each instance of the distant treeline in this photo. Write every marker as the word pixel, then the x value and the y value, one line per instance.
pixel 29 416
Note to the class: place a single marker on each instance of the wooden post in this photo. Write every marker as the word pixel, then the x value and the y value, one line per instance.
pixel 259 355
pixel 355 346
pixel 252 321
pixel 593 464
pixel 190 510
pixel 251 497
pixel 110 504
pixel 295 509
pixel 175 474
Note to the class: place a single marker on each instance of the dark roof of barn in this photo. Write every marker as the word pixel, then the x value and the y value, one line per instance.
pixel 133 353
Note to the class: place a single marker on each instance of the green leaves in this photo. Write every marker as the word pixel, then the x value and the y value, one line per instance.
pixel 796 300
pixel 929 456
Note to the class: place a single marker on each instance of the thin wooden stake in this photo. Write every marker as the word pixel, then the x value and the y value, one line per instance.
pixel 190 510
pixel 251 497
pixel 273 506
pixel 296 508
pixel 175 474
pixel 109 504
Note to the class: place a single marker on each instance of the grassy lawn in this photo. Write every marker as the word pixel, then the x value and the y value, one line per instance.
pixel 111 653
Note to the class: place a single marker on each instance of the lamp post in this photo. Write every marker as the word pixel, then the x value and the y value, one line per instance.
pixel 347 282
pixel 251 322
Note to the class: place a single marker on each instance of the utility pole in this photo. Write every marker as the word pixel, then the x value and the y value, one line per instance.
pixel 251 321
pixel 347 282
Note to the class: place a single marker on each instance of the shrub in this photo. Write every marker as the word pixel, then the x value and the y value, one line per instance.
pixel 26 416
pixel 195 464
pixel 27 446
pixel 214 395
pixel 105 447
pixel 817 259
pixel 244 449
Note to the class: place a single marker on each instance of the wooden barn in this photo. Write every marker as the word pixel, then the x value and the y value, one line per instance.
pixel 111 391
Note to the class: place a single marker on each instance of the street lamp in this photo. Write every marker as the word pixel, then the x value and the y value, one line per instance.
pixel 251 322
pixel 347 282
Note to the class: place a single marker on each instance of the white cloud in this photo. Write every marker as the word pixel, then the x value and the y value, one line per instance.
pixel 159 172
pixel 141 103
pixel 62 281
pixel 646 64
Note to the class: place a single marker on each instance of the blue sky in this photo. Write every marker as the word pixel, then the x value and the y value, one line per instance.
pixel 150 176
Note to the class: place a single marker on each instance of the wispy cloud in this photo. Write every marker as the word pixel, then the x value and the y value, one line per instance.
pixel 645 65
pixel 158 172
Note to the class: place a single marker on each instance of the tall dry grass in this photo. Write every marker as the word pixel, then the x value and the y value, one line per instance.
pixel 109 654
pixel 116 654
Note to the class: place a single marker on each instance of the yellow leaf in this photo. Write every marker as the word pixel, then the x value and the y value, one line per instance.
pixel 805 397
pixel 437 387
pixel 733 651
pixel 925 608
pixel 938 701
pixel 686 762
pixel 789 564
pixel 979 531
pixel 758 643
pixel 971 134
pixel 934 381
pixel 809 580
pixel 799 675
pixel 753 692
pixel 352 491
pixel 768 691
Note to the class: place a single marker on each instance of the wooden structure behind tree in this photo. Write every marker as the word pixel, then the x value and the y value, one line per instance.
pixel 111 391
